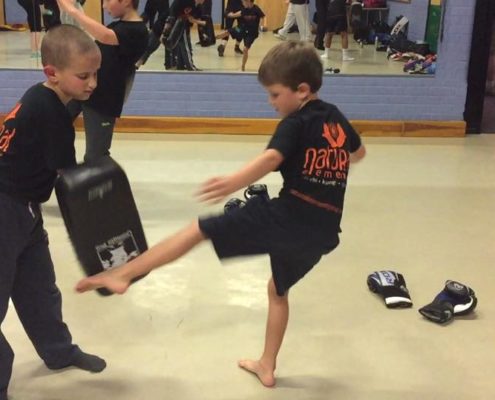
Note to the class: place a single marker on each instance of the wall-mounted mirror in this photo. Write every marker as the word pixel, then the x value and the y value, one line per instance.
pixel 370 58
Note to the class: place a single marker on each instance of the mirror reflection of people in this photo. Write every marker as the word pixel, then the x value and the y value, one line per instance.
pixel 297 13
pixel 50 13
pixel 67 19
pixel 151 12
pixel 33 11
pixel 321 17
pixel 206 32
pixel 154 37
pixel 336 23
pixel 232 8
pixel 249 17
pixel 122 42
pixel 182 14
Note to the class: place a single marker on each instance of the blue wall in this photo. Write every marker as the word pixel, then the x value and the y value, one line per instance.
pixel 439 97
pixel 14 13
pixel 416 12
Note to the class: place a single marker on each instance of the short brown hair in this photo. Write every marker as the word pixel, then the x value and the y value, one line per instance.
pixel 62 42
pixel 290 64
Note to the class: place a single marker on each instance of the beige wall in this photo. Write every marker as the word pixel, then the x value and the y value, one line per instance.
pixel 92 8
pixel 2 13
pixel 275 11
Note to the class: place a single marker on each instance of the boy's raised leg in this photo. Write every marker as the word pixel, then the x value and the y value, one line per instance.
pixel 276 324
pixel 117 280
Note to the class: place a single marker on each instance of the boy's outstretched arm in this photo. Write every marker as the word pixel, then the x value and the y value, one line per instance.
pixel 215 189
pixel 98 31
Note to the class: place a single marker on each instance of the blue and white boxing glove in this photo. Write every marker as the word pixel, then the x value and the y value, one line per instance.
pixel 455 299
pixel 391 286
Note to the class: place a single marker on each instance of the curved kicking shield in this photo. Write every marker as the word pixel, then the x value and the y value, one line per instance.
pixel 100 215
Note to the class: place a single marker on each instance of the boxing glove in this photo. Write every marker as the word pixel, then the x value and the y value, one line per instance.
pixel 257 189
pixel 455 299
pixel 392 287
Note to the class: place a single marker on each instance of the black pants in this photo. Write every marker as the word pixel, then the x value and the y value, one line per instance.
pixel 54 19
pixel 183 52
pixel 33 12
pixel 321 16
pixel 28 278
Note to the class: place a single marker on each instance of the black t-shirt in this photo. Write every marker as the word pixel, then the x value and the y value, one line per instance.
pixel 316 142
pixel 299 1
pixel 233 6
pixel 250 20
pixel 183 8
pixel 117 70
pixel 336 8
pixel 36 140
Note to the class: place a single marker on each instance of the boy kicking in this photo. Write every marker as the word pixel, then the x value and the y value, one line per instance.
pixel 247 29
pixel 312 147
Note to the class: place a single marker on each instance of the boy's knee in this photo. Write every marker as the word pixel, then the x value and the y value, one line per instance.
pixel 272 292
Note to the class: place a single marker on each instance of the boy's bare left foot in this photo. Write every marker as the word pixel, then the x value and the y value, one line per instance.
pixel 108 279
pixel 265 375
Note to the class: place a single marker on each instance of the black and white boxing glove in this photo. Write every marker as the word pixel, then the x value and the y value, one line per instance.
pixel 455 299
pixel 257 189
pixel 233 204
pixel 392 287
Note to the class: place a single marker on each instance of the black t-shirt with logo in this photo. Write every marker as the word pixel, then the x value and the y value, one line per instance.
pixel 316 142
pixel 250 20
pixel 117 70
pixel 36 140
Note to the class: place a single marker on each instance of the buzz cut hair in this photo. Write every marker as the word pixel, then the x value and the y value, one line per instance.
pixel 290 64
pixel 62 42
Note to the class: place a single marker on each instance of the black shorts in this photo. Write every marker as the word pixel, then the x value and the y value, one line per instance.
pixel 265 227
pixel 240 35
pixel 336 24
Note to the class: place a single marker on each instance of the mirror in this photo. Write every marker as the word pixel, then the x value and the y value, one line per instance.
pixel 422 16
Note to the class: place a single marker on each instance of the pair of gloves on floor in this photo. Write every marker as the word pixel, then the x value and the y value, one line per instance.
pixel 454 300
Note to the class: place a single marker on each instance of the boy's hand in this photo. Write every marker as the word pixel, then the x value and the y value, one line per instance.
pixel 215 189
pixel 66 5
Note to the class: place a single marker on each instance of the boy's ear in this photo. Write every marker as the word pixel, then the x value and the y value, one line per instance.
pixel 304 90
pixel 51 73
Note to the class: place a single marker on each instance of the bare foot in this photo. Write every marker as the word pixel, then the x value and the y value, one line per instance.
pixel 108 279
pixel 265 375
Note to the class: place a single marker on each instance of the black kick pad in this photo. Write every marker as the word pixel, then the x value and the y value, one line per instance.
pixel 100 215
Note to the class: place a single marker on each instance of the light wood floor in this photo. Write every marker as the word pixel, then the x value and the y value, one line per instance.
pixel 15 53
pixel 420 206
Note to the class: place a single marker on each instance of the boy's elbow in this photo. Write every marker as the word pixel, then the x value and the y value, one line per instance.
pixel 358 155
pixel 274 159
pixel 109 38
